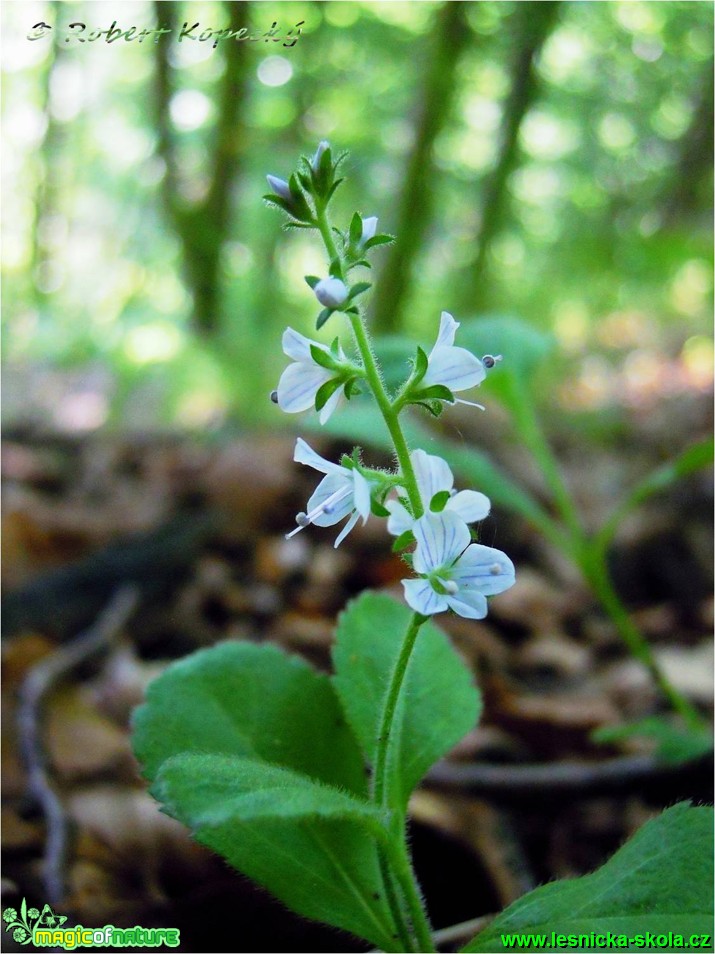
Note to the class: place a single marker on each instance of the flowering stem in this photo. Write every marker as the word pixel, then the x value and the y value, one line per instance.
pixel 389 412
pixel 401 888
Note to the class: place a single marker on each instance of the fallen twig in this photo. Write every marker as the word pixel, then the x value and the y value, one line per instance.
pixel 552 778
pixel 40 680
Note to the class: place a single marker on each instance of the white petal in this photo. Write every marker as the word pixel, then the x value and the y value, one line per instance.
pixel 432 473
pixel 304 454
pixel 332 404
pixel 361 495
pixel 299 384
pixel 297 346
pixel 484 570
pixel 400 519
pixel 346 530
pixel 330 486
pixel 468 603
pixel 456 368
pixel 447 330
pixel 441 537
pixel 422 598
pixel 470 505
pixel 369 227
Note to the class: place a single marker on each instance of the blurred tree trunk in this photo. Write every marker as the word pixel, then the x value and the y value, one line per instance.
pixel 203 226
pixel 451 38
pixel 534 21
pixel 54 166
pixel 693 168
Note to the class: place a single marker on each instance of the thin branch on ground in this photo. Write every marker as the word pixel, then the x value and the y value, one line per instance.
pixel 37 685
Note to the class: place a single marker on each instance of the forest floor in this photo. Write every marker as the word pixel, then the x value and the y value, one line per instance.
pixel 197 533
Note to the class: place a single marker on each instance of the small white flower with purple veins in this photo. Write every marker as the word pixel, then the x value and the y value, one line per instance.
pixel 301 381
pixel 343 492
pixel 435 478
pixel 455 368
pixel 454 573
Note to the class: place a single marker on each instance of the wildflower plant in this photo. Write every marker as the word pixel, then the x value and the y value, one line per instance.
pixel 302 780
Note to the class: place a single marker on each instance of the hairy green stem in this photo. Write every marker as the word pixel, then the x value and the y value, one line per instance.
pixel 382 794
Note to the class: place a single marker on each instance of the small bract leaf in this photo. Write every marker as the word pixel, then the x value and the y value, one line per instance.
pixel 404 540
pixel 325 392
pixel 323 317
pixel 439 501
pixel 323 358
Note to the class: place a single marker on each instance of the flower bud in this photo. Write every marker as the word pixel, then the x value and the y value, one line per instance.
pixel 369 227
pixel 331 292
pixel 315 161
pixel 280 187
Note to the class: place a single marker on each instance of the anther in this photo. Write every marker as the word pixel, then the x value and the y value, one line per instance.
pixel 451 587
pixel 274 397
pixel 489 360
pixel 302 519
pixel 495 569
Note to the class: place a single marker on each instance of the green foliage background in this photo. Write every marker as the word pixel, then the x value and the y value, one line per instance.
pixel 550 160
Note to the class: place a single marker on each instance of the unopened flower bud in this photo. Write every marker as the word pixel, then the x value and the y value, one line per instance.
pixel 315 161
pixel 331 292
pixel 369 227
pixel 280 187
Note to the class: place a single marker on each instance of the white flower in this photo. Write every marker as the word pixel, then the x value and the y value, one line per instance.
pixel 301 381
pixel 455 574
pixel 331 292
pixel 455 368
pixel 369 227
pixel 343 492
pixel 280 187
pixel 434 477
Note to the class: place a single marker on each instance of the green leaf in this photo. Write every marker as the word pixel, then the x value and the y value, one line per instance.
pixel 421 364
pixel 211 790
pixel 248 700
pixel 358 288
pixel 405 539
pixel 312 280
pixel 324 358
pixel 376 240
pixel 439 703
pixel 434 392
pixel 377 508
pixel 238 706
pixel 659 881
pixel 355 229
pixel 323 317
pixel 439 501
pixel 676 744
pixel 310 845
pixel 325 392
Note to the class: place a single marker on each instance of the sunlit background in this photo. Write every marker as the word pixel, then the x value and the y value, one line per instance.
pixel 550 161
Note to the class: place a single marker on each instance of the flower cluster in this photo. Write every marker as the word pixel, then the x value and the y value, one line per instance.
pixel 429 518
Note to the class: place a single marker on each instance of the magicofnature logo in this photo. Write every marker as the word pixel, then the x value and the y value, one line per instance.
pixel 45 929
